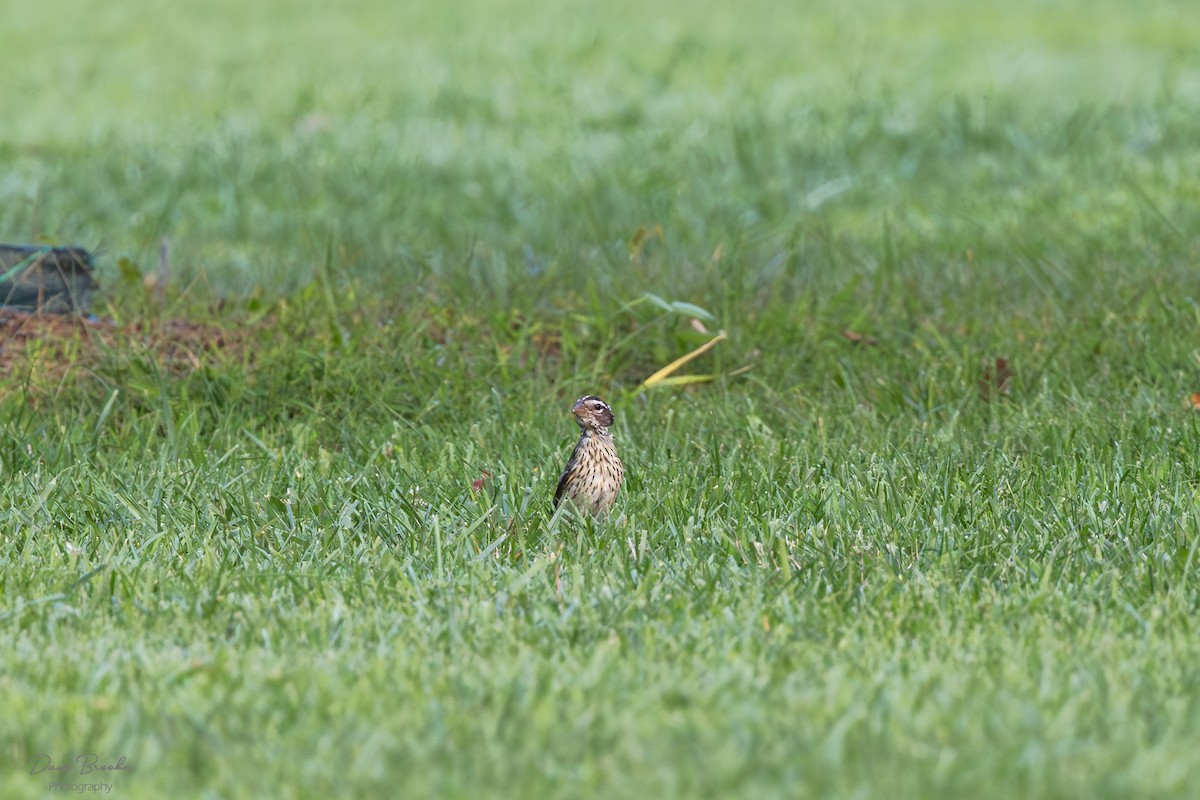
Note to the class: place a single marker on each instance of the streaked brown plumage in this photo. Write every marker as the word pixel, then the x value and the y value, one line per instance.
pixel 594 474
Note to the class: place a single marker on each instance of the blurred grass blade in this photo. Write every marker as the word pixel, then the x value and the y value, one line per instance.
pixel 681 380
pixel 675 306
pixel 691 310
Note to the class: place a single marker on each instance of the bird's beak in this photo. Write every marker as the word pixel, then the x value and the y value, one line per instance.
pixel 575 409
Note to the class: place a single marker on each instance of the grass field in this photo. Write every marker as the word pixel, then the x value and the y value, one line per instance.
pixel 281 528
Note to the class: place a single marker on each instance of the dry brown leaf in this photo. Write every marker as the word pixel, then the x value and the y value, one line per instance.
pixel 859 338
pixel 996 380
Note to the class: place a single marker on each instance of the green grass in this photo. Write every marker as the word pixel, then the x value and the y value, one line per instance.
pixel 423 233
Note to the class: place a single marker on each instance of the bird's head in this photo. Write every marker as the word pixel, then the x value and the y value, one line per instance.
pixel 592 413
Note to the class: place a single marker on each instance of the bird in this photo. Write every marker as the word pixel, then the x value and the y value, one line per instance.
pixel 593 474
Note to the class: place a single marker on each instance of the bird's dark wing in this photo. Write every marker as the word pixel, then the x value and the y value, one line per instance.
pixel 565 478
pixel 562 487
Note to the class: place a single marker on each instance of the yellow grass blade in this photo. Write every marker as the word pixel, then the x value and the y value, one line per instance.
pixel 662 374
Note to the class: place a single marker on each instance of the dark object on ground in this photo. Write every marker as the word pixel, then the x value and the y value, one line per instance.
pixel 54 279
